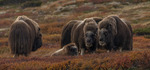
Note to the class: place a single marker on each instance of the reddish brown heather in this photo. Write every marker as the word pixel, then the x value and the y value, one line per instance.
pixel 117 60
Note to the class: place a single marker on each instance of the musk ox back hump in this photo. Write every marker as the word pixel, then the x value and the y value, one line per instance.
pixel 31 23
pixel 20 38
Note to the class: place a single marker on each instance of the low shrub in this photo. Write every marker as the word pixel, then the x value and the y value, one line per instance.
pixel 99 1
pixel 31 4
pixel 6 2
pixel 142 31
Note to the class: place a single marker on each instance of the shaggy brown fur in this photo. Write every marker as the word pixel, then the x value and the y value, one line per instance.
pixel 36 35
pixel 84 36
pixel 25 41
pixel 97 19
pixel 20 38
pixel 66 32
pixel 115 34
pixel 68 50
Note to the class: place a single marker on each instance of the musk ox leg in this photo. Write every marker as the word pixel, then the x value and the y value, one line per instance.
pixel 120 49
pixel 131 44
pixel 128 45
pixel 25 55
pixel 108 51
pixel 82 51
pixel 111 47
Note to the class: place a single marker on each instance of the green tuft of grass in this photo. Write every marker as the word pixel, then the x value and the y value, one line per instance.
pixel 142 31
pixel 4 50
pixel 147 36
pixel 31 4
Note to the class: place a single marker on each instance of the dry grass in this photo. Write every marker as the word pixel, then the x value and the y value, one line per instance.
pixel 7 15
pixel 141 43
pixel 54 38
pixel 5 23
pixel 3 42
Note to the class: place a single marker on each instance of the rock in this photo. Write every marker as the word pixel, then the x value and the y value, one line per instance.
pixel 114 3
pixel 66 8
pixel 2 12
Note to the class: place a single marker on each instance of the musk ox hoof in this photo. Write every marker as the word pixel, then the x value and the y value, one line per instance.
pixel 108 51
pixel 15 56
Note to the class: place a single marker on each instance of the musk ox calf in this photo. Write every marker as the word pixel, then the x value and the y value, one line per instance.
pixel 114 34
pixel 24 36
pixel 68 50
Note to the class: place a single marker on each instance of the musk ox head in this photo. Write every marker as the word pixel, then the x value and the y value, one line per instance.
pixel 37 41
pixel 72 49
pixel 90 32
pixel 106 31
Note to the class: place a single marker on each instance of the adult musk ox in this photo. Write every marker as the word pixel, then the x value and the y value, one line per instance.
pixel 68 50
pixel 67 30
pixel 82 33
pixel 24 36
pixel 114 34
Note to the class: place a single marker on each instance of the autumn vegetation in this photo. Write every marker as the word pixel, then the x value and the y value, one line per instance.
pixel 52 15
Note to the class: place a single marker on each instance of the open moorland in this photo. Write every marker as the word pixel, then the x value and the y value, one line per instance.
pixel 52 15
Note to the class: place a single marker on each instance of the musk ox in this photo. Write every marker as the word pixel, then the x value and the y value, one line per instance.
pixel 66 32
pixel 24 36
pixel 114 34
pixel 37 36
pixel 68 50
pixel 82 33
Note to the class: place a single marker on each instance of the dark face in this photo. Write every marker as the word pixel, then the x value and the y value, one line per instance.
pixel 89 39
pixel 37 41
pixel 73 51
pixel 104 37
